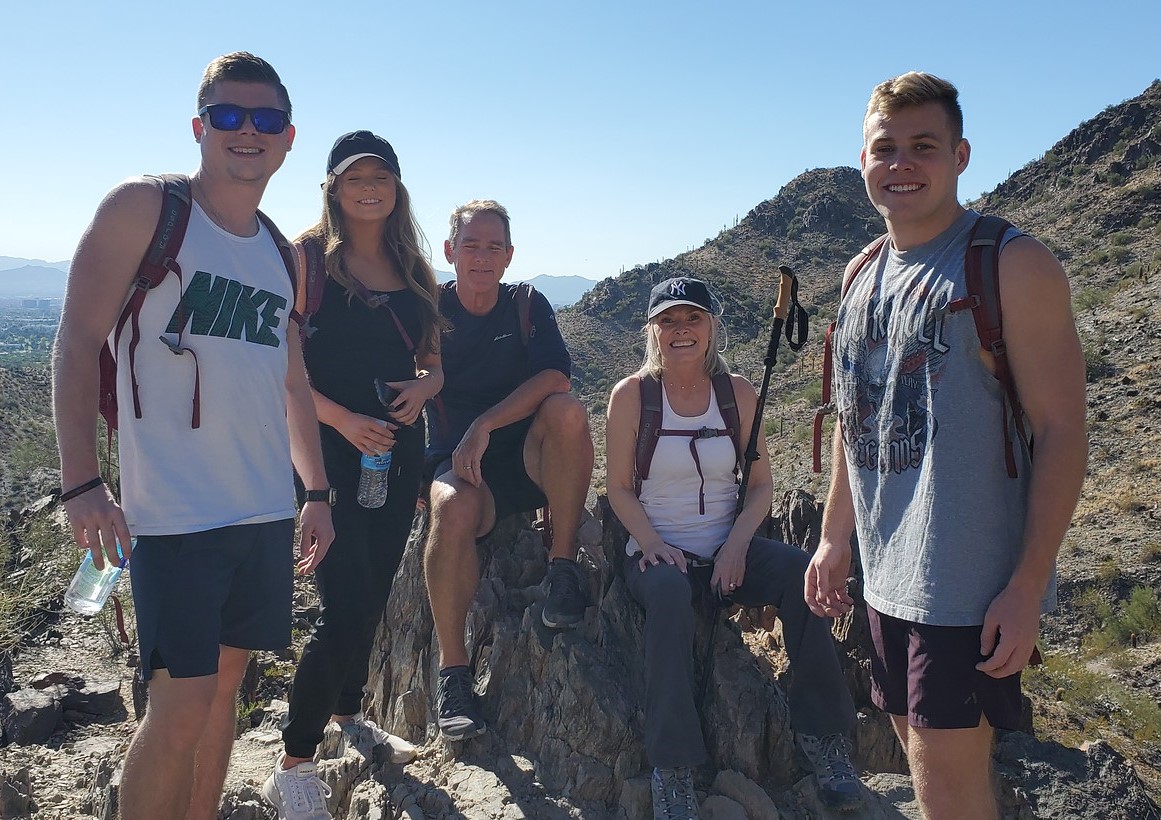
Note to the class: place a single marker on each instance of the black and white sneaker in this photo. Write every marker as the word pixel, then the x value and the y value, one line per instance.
pixel 564 608
pixel 459 714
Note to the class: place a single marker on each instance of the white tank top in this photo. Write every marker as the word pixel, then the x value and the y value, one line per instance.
pixel 235 468
pixel 670 494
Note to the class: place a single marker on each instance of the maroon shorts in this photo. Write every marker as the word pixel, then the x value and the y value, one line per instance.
pixel 928 673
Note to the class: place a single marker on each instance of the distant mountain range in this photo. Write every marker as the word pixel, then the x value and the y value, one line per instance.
pixel 32 277
pixel 37 278
pixel 560 291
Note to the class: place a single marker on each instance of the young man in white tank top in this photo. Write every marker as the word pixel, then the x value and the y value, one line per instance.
pixel 213 505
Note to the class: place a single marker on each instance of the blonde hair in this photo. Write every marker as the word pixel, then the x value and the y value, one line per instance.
pixel 714 364
pixel 405 244
pixel 912 89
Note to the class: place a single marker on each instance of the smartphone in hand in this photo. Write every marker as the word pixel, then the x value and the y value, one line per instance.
pixel 386 393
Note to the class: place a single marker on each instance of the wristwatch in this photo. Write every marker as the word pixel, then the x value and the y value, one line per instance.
pixel 328 495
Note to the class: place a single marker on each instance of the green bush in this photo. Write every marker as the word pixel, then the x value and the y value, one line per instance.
pixel 1095 697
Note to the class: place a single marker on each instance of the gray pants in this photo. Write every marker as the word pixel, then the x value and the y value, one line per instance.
pixel 820 703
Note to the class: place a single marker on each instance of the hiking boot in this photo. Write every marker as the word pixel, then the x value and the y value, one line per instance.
pixel 829 757
pixel 297 793
pixel 366 734
pixel 673 795
pixel 459 714
pixel 564 607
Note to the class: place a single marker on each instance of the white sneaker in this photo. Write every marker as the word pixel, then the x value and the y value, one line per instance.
pixel 359 726
pixel 297 793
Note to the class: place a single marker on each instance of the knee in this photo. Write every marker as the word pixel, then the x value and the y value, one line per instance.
pixel 178 711
pixel 666 593
pixel 564 416
pixel 455 510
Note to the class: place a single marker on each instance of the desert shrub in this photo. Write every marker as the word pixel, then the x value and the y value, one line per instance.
pixel 1095 697
pixel 1140 616
pixel 1089 298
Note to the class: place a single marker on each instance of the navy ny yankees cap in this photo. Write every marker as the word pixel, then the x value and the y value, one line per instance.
pixel 680 290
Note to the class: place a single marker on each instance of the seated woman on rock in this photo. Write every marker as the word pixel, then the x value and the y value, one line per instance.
pixel 681 519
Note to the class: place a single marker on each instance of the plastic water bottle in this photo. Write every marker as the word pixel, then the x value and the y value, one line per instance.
pixel 373 480
pixel 91 587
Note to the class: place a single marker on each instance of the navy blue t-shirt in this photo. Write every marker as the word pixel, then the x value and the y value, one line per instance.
pixel 485 359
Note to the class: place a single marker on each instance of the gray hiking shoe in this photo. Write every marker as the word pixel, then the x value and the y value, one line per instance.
pixel 564 608
pixel 459 714
pixel 673 794
pixel 829 757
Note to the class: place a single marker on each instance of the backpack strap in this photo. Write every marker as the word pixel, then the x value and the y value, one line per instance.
pixel 728 407
pixel 982 274
pixel 854 268
pixel 648 425
pixel 287 252
pixel 312 259
pixel 312 277
pixel 159 261
pixel 649 429
pixel 523 296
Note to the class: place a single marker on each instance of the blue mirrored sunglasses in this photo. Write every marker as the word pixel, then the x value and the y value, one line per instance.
pixel 229 117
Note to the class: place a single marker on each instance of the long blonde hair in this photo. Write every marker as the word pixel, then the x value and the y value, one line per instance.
pixel 403 240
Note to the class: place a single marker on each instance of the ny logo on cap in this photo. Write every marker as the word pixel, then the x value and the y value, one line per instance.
pixel 677 288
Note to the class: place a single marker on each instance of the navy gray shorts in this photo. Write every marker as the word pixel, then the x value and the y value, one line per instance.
pixel 503 470
pixel 928 674
pixel 192 593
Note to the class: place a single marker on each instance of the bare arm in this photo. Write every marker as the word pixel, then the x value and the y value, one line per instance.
pixel 520 403
pixel 100 278
pixel 316 530
pixel 413 393
pixel 624 414
pixel 826 575
pixel 1048 369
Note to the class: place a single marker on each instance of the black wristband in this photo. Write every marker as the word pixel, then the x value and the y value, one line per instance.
pixel 83 488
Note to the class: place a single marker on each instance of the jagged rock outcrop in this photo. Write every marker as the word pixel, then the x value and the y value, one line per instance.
pixel 571 702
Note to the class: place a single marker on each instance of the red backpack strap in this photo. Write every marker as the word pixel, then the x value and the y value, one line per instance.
pixel 523 296
pixel 287 252
pixel 982 274
pixel 728 407
pixel 311 282
pixel 854 268
pixel 648 426
pixel 160 259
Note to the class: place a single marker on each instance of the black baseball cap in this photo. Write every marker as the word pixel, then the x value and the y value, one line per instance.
pixel 358 144
pixel 680 290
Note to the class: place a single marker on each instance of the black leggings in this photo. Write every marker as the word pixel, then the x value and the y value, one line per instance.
pixel 354 581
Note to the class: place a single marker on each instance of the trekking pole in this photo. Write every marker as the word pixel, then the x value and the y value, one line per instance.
pixel 788 314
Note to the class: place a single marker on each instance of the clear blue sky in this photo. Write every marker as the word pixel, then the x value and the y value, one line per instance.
pixel 617 133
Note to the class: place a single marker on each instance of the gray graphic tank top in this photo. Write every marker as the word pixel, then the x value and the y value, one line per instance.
pixel 940 523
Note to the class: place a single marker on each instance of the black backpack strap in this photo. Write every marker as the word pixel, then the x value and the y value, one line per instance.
pixel 523 296
pixel 854 268
pixel 982 274
pixel 648 426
